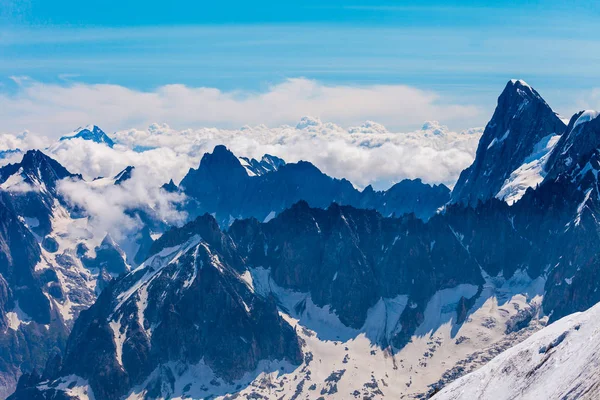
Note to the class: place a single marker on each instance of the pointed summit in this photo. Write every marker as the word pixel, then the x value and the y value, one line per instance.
pixel 170 187
pixel 90 132
pixel 221 160
pixel 521 122
pixel 35 168
pixel 218 170
pixel 124 175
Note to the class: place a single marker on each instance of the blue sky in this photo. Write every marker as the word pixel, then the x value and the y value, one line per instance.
pixel 465 52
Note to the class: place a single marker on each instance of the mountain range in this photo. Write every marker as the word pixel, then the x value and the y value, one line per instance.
pixel 233 188
pixel 287 283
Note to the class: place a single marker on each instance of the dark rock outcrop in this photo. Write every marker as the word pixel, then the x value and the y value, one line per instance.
pixel 349 258
pixel 185 303
pixel 222 186
pixel 33 187
pixel 521 120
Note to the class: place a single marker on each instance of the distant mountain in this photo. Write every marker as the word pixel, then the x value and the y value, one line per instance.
pixel 10 152
pixel 512 148
pixel 230 189
pixel 90 132
pixel 559 362
pixel 118 179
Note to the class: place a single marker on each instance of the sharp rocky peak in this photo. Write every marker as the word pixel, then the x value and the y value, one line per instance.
pixel 521 121
pixel 37 166
pixel 576 146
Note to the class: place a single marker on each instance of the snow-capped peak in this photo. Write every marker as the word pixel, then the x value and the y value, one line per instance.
pixel 586 116
pixel 90 132
pixel 520 82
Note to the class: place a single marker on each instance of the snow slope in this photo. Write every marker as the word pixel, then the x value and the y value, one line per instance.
pixel 345 363
pixel 561 361
pixel 530 174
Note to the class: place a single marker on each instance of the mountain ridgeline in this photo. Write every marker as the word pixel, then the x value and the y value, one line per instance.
pixel 233 188
pixel 520 122
pixel 286 283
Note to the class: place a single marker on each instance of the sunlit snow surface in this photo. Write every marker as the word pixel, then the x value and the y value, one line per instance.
pixel 562 361
pixel 341 362
pixel 530 173
pixel 344 363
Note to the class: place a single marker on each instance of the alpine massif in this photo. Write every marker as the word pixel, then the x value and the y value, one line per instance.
pixel 285 283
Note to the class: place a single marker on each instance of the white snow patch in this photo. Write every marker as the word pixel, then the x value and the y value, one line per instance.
pixel 118 338
pixel 72 385
pixel 16 317
pixel 530 173
pixel 441 309
pixel 270 216
pixel 334 347
pixel 581 206
pixel 586 116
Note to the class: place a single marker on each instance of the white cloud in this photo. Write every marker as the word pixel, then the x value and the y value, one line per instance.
pixel 367 154
pixel 24 140
pixel 363 152
pixel 590 100
pixel 106 204
pixel 49 109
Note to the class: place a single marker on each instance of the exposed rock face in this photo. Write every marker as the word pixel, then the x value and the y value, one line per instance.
pixel 32 185
pixel 267 163
pixel 576 145
pixel 47 275
pixel 186 304
pixel 109 257
pixel 521 121
pixel 29 326
pixel 30 323
pixel 19 254
pixel 552 231
pixel 349 258
pixel 124 175
pixel 224 187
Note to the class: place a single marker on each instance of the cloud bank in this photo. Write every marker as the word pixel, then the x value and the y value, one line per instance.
pixel 364 154
pixel 250 124
pixel 107 204
pixel 45 109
